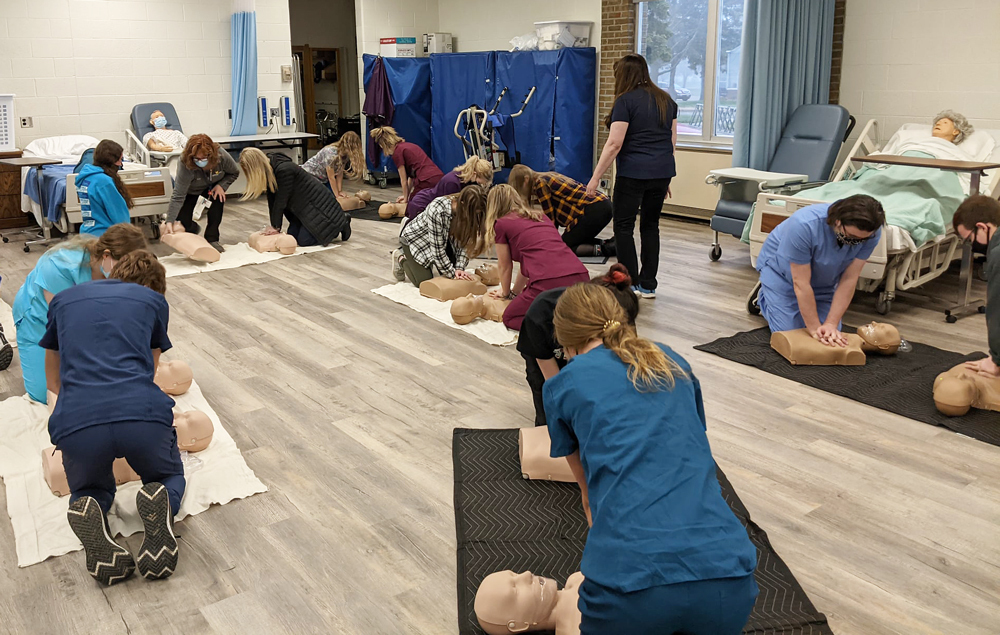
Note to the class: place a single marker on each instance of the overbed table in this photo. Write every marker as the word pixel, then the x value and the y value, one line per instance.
pixel 38 163
pixel 976 170
pixel 268 141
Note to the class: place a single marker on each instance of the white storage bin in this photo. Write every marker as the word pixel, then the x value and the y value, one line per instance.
pixel 562 34
pixel 6 123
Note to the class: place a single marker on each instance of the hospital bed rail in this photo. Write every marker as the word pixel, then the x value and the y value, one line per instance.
pixel 139 153
pixel 150 189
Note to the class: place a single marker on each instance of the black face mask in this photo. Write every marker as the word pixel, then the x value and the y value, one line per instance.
pixel 844 239
pixel 977 247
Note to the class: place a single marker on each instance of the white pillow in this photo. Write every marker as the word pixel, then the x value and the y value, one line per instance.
pixel 63 148
pixel 979 145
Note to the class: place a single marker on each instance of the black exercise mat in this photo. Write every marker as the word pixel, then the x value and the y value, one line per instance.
pixel 506 522
pixel 902 383
pixel 370 212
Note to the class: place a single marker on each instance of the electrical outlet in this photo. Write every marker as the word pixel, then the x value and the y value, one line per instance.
pixel 26 122
pixel 604 184
pixel 274 113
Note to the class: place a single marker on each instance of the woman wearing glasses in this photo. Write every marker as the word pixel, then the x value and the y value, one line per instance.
pixel 810 264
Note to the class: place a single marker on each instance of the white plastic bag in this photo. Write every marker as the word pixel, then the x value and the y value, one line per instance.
pixel 526 42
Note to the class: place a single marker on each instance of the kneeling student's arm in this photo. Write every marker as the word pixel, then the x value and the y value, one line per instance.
pixel 52 379
pixel 549 367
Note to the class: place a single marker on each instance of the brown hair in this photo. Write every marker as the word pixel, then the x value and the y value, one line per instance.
pixel 349 154
pixel 502 200
pixel 861 211
pixel 976 209
pixel 587 312
pixel 523 179
pixel 118 240
pixel 387 138
pixel 141 267
pixel 619 283
pixel 200 144
pixel 469 218
pixel 632 72
pixel 106 157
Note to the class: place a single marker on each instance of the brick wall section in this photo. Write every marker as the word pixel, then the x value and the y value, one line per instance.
pixel 838 50
pixel 618 19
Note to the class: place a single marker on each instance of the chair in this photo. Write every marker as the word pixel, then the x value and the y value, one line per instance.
pixel 805 157
pixel 141 126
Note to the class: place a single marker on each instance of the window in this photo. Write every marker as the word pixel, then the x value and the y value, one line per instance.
pixel 693 46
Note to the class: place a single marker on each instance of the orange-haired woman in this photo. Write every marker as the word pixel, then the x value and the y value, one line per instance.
pixel 205 170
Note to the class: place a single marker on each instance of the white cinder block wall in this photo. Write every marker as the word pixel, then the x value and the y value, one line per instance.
pixel 485 26
pixel 906 60
pixel 79 66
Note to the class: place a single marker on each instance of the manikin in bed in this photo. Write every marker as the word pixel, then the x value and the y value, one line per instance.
pixel 921 201
pixel 163 139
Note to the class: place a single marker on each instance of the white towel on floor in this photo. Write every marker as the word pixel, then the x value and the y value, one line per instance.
pixel 215 475
pixel 406 294
pixel 7 321
pixel 177 264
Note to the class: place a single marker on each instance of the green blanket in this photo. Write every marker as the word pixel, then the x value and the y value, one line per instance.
pixel 920 200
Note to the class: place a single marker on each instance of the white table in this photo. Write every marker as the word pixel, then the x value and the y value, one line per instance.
pixel 268 141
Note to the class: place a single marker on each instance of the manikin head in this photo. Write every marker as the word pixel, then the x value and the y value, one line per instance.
pixel 883 337
pixel 489 274
pixel 174 377
pixel 954 394
pixel 194 430
pixel 951 126
pixel 977 219
pixel 465 310
pixel 157 120
pixel 509 602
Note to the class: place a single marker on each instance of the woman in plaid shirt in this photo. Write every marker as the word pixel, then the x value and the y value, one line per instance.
pixel 442 237
pixel 567 203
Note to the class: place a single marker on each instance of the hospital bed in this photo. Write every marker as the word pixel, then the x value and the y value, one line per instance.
pixel 137 150
pixel 899 263
pixel 150 189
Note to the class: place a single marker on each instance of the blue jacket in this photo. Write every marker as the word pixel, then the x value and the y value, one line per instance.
pixel 101 204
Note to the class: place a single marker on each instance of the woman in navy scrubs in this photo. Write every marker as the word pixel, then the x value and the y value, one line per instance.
pixel 665 554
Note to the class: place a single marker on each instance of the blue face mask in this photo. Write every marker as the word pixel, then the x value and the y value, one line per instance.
pixel 106 274
pixel 160 122
pixel 201 162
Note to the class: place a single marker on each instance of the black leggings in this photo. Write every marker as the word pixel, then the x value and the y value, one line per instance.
pixel 634 197
pixel 589 224
pixel 214 216
pixel 536 380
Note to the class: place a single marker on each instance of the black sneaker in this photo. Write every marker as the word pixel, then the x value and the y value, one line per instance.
pixel 6 351
pixel 219 248
pixel 107 561
pixel 346 234
pixel 609 249
pixel 157 557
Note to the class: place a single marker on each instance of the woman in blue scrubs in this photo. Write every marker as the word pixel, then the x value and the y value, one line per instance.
pixel 665 554
pixel 810 264
pixel 77 260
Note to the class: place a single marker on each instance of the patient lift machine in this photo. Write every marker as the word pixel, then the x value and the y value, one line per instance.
pixel 480 128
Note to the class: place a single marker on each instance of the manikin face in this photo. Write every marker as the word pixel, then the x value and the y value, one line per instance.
pixel 194 430
pixel 880 334
pixel 465 310
pixel 156 114
pixel 945 129
pixel 515 602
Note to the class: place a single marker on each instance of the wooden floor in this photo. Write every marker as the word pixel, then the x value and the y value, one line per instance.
pixel 343 403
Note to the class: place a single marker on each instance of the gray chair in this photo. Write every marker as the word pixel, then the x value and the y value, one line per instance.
pixel 804 158
pixel 134 146
pixel 141 113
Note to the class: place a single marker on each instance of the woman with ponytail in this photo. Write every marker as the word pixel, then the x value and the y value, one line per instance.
pixel 665 554
pixel 104 201
pixel 543 356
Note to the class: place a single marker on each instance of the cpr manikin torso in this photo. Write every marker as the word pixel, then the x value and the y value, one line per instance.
pixel 191 245
pixel 534 446
pixel 509 602
pixel 802 349
pixel 391 210
pixel 173 377
pixel 959 389
pixel 357 201
pixel 263 243
pixel 467 309
pixel 447 289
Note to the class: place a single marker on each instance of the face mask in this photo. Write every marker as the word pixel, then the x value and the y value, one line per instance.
pixel 160 122
pixel 844 239
pixel 201 162
pixel 106 274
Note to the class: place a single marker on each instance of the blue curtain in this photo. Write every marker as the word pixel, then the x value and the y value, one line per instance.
pixel 410 80
pixel 458 80
pixel 573 122
pixel 787 49
pixel 244 39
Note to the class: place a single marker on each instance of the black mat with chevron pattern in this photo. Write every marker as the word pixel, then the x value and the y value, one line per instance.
pixel 902 384
pixel 506 522
pixel 370 212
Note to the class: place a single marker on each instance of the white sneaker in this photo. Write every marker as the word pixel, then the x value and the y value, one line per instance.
pixel 397 265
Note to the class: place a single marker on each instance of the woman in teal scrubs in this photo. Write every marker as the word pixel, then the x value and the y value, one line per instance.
pixel 810 264
pixel 665 554
pixel 77 260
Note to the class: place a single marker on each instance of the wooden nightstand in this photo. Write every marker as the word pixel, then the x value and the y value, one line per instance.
pixel 10 195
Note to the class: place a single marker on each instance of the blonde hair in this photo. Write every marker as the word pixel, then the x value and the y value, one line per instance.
pixel 587 312
pixel 522 178
pixel 260 177
pixel 474 169
pixel 386 138
pixel 349 148
pixel 118 240
pixel 503 200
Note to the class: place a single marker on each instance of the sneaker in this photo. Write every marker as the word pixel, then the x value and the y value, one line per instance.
pixel 345 235
pixel 649 294
pixel 609 248
pixel 6 351
pixel 219 248
pixel 397 265
pixel 107 561
pixel 157 557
